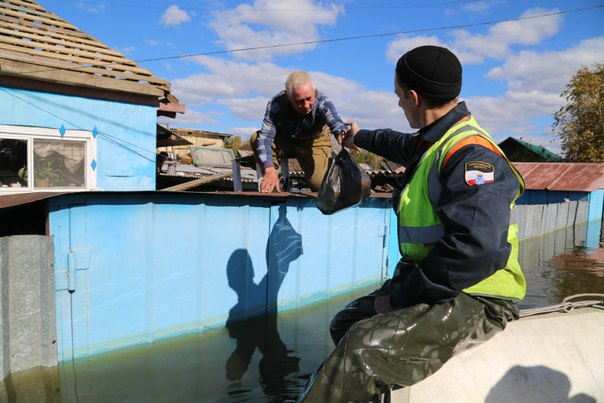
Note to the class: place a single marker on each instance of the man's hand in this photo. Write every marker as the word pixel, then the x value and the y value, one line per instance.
pixel 270 181
pixel 382 304
pixel 346 137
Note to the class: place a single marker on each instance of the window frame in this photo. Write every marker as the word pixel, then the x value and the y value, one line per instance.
pixel 30 133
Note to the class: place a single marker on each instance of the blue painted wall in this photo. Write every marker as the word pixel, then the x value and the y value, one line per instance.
pixel 136 267
pixel 126 132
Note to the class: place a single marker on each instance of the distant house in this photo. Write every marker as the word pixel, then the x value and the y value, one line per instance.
pixel 202 137
pixel 76 115
pixel 560 195
pixel 520 151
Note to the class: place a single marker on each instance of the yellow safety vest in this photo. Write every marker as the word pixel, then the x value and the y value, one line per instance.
pixel 420 228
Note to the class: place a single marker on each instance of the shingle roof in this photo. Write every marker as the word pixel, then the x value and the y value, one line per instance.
pixel 37 44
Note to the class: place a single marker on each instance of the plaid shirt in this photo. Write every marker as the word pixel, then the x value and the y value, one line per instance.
pixel 281 119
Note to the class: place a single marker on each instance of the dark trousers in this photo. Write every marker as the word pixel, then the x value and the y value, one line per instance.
pixel 375 352
pixel 312 154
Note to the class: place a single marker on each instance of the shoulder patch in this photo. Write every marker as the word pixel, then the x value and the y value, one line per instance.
pixel 478 173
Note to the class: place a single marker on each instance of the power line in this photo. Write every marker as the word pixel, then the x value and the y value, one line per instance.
pixel 373 7
pixel 347 38
pixel 108 137
pixel 356 37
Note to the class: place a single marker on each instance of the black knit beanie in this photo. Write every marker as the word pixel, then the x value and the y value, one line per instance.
pixel 432 71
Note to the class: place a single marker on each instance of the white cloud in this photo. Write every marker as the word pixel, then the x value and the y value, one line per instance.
pixel 548 71
pixel 246 108
pixel 272 22
pixel 229 79
pixel 495 44
pixel 534 79
pixel 92 9
pixel 174 16
pixel 245 88
pixel 404 43
pixel 190 118
pixel 535 82
pixel 513 113
pixel 479 7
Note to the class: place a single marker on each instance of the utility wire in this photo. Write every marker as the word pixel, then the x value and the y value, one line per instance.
pixel 356 37
pixel 342 39
pixel 163 7
pixel 108 137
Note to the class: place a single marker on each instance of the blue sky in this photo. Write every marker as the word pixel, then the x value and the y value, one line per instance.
pixel 518 56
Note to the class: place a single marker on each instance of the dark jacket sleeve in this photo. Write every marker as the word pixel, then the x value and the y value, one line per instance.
pixel 392 145
pixel 475 220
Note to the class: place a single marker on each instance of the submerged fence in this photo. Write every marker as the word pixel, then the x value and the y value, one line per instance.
pixel 330 253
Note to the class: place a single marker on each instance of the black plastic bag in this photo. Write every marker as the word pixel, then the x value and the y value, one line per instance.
pixel 344 185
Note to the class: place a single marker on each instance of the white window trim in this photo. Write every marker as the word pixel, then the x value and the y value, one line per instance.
pixel 29 133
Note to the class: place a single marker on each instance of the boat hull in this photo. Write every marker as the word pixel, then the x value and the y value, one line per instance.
pixel 551 357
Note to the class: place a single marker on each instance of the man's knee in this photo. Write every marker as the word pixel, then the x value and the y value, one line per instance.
pixel 254 138
pixel 338 327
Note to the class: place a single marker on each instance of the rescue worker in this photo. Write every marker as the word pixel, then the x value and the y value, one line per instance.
pixel 297 123
pixel 458 281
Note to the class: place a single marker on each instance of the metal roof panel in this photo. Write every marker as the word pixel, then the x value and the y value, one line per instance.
pixel 555 176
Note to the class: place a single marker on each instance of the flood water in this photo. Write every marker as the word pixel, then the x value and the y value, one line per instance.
pixel 268 359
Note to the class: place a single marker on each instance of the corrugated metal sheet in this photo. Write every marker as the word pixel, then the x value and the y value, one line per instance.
pixel 577 177
pixel 154 265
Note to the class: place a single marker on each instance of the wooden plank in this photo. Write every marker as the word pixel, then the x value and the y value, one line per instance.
pixel 90 70
pixel 58 75
pixel 85 57
pixel 57 48
pixel 27 5
pixel 198 182
pixel 119 95
pixel 42 17
pixel 13 27
pixel 51 29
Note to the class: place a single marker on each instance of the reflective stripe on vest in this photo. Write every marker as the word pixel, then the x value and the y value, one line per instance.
pixel 419 225
pixel 429 233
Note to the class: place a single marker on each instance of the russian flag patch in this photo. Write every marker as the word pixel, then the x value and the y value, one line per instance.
pixel 478 173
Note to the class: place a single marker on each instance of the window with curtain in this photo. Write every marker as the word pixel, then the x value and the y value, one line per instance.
pixel 41 159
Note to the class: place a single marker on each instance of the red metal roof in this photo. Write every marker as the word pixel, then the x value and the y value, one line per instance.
pixel 577 177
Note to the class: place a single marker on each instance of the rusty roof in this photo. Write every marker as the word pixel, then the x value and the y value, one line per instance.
pixel 577 177
pixel 38 44
pixel 554 176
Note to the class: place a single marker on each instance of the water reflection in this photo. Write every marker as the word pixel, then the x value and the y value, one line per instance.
pixel 276 363
pixel 284 245
pixel 561 264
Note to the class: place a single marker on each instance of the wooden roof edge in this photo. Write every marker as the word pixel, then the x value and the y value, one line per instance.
pixel 166 105
pixel 40 63
pixel 70 77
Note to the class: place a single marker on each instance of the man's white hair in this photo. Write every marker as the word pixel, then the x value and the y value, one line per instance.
pixel 296 79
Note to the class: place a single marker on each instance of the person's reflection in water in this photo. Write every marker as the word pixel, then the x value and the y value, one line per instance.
pixel 259 301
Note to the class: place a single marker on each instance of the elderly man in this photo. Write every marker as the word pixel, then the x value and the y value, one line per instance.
pixel 297 124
